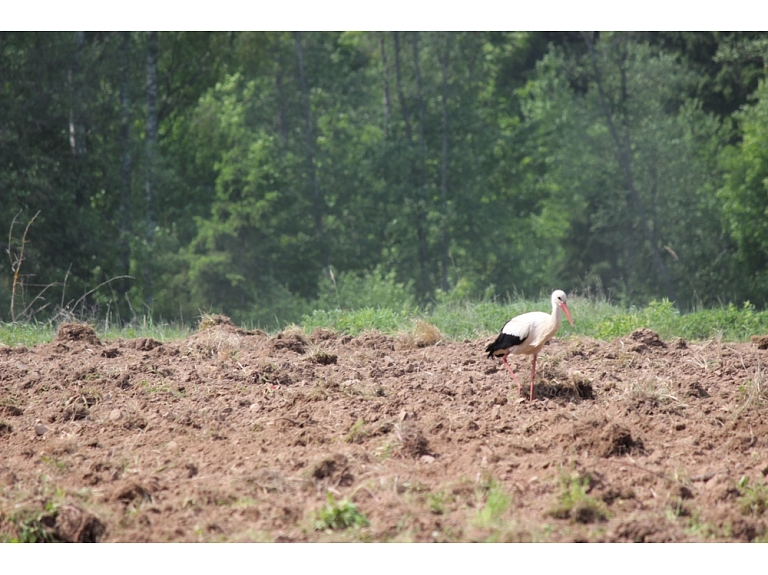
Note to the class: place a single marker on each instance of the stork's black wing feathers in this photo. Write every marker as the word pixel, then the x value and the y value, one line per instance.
pixel 503 343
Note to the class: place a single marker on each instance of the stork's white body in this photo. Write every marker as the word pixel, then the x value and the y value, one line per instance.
pixel 526 334
pixel 535 328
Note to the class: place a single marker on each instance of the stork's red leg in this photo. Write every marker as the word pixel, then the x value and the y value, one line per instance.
pixel 533 374
pixel 519 387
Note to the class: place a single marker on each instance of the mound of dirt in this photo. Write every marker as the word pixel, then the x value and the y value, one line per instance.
pixel 73 525
pixel 322 334
pixel 291 341
pixel 604 438
pixel 145 344
pixel 645 339
pixel 207 322
pixel 76 332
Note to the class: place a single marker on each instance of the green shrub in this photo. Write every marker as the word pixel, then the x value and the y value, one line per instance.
pixel 354 291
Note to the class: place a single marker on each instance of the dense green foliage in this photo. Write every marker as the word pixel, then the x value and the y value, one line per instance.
pixel 279 176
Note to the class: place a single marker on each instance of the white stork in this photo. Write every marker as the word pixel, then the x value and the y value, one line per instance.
pixel 526 334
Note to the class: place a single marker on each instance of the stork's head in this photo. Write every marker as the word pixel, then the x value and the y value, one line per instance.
pixel 558 299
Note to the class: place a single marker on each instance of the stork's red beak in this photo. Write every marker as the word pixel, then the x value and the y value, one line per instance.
pixel 567 313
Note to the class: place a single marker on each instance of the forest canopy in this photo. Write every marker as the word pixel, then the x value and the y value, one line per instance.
pixel 265 174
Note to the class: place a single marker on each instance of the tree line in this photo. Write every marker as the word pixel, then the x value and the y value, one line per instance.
pixel 253 172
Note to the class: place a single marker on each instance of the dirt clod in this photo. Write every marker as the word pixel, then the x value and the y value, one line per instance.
pixel 291 341
pixel 134 492
pixel 604 438
pixel 73 525
pixel 11 410
pixel 324 358
pixel 146 344
pixel 328 466
pixel 76 332
pixel 647 337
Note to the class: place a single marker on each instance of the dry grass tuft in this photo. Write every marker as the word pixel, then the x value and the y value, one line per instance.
pixel 412 442
pixel 652 394
pixel 293 332
pixel 212 320
pixel 216 340
pixel 424 334
pixel 754 390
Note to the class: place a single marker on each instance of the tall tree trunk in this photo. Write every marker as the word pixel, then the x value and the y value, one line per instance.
pixel 151 144
pixel 317 198
pixel 624 155
pixel 444 239
pixel 385 81
pixel 421 183
pixel 400 92
pixel 76 121
pixel 126 164
pixel 282 124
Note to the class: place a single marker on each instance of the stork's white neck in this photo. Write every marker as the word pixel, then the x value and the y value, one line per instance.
pixel 557 315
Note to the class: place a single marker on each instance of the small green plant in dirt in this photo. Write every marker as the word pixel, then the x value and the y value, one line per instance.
pixel 339 516
pixel 496 504
pixel 574 502
pixel 55 463
pixel 695 525
pixel 436 503
pixel 356 433
pixel 33 526
pixel 754 498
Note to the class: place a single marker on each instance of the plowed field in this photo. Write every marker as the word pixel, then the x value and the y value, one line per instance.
pixel 233 435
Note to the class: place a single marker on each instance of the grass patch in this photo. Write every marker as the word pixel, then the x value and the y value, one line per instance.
pixel 453 319
pixel 437 503
pixel 575 504
pixel 25 334
pixel 729 323
pixel 357 433
pixel 339 516
pixel 15 334
pixel 695 525
pixel 496 505
pixel 595 318
pixel 754 498
pixel 35 526
pixel 355 322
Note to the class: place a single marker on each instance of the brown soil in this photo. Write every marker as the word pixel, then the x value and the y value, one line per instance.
pixel 233 435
